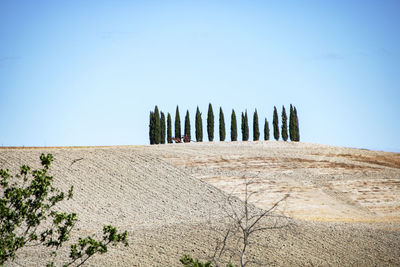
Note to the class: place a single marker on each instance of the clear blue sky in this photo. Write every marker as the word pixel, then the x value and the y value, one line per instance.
pixel 88 72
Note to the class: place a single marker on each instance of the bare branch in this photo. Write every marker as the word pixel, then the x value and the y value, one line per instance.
pixel 246 221
pixel 268 211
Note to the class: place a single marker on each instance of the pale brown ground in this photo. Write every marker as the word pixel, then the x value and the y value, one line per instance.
pixel 154 193
pixel 325 183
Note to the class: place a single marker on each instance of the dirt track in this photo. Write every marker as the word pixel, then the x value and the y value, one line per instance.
pixel 154 193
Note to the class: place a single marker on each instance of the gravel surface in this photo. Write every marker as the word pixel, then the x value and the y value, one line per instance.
pixel 172 198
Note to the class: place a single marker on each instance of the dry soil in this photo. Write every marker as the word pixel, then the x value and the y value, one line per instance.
pixel 344 203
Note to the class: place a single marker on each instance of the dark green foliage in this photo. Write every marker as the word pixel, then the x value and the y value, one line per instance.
pixel 296 126
pixel 242 126
pixel 275 124
pixel 27 201
pixel 291 124
pixel 284 125
pixel 187 125
pixel 256 131
pixel 188 261
pixel 221 125
pixel 266 130
pixel 151 128
pixel 177 124
pixel 199 126
pixel 169 129
pixel 233 126
pixel 88 246
pixel 210 123
pixel 245 127
pixel 162 122
pixel 157 126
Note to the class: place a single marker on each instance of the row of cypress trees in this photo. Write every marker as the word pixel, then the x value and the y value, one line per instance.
pixel 157 126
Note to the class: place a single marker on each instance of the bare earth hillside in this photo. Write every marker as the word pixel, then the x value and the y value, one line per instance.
pixel 325 183
pixel 344 201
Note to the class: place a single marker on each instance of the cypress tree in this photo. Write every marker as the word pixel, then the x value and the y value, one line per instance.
pixel 246 127
pixel 276 124
pixel 291 124
pixel 177 124
pixel 266 130
pixel 210 123
pixel 199 126
pixel 157 126
pixel 242 126
pixel 233 126
pixel 187 125
pixel 162 122
pixel 284 124
pixel 296 124
pixel 221 125
pixel 169 129
pixel 256 131
pixel 151 128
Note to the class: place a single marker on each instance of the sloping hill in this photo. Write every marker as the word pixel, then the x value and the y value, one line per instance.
pixel 121 185
pixel 154 193
pixel 325 183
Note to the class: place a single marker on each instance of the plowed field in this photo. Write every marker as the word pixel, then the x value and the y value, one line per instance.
pixel 344 202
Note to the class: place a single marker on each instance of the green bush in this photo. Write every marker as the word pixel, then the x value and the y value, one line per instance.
pixel 28 201
pixel 188 261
